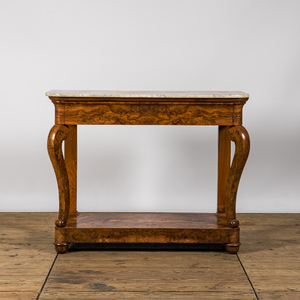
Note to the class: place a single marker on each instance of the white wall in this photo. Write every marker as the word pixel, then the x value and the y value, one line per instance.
pixel 252 46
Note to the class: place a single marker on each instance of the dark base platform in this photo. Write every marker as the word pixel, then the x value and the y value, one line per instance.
pixel 147 228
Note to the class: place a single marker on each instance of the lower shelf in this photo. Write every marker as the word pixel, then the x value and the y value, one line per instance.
pixel 147 228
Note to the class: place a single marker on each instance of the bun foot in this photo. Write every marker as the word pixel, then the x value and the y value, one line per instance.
pixel 61 248
pixel 233 248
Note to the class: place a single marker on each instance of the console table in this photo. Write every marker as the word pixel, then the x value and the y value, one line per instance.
pixel 223 109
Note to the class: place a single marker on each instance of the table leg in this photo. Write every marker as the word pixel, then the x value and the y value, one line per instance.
pixel 223 166
pixel 57 135
pixel 240 136
pixel 71 165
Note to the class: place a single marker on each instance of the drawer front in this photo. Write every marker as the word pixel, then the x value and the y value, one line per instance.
pixel 110 113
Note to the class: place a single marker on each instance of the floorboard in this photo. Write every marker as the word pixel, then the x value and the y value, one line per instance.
pixel 132 271
pixel 26 253
pixel 270 252
pixel 279 296
pixel 18 295
pixel 149 295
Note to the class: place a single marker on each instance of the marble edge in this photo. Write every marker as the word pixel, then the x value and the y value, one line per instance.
pixel 146 94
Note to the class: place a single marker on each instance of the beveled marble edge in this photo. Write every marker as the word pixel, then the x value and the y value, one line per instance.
pixel 146 94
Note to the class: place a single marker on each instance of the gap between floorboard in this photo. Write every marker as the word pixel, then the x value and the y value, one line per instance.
pixel 247 277
pixel 42 288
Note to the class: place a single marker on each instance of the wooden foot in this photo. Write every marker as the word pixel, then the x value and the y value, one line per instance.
pixel 233 248
pixel 61 248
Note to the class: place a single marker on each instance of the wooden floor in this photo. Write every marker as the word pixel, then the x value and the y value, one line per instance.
pixel 267 266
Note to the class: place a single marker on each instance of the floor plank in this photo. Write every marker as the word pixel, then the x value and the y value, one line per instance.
pixel 25 235
pixel 147 295
pixel 252 221
pixel 20 283
pixel 28 218
pixel 26 253
pixel 279 296
pixel 165 271
pixel 18 295
pixel 270 252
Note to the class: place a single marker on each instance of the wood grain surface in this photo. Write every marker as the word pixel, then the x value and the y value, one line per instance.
pixel 18 295
pixel 147 113
pixel 57 135
pixel 151 295
pixel 146 228
pixel 224 146
pixel 279 296
pixel 271 253
pixel 71 165
pixel 25 253
pixel 240 136
pixel 162 273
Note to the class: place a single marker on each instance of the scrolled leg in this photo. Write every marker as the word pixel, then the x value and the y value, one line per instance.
pixel 57 135
pixel 240 136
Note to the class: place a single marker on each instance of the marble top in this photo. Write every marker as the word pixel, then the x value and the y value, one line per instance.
pixel 145 94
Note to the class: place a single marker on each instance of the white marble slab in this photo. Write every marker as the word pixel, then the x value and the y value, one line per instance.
pixel 145 94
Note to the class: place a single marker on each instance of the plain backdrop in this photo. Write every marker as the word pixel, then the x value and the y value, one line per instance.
pixel 251 46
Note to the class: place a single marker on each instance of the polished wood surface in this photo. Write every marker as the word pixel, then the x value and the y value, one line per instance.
pixel 146 228
pixel 147 220
pixel 224 146
pixel 239 135
pixel 71 165
pixel 77 111
pixel 26 255
pixel 57 135
pixel 267 264
pixel 222 109
pixel 156 295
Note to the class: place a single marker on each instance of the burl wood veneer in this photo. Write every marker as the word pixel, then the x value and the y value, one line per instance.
pixel 223 109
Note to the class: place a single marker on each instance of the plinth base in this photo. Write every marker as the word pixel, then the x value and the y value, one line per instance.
pixel 148 228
